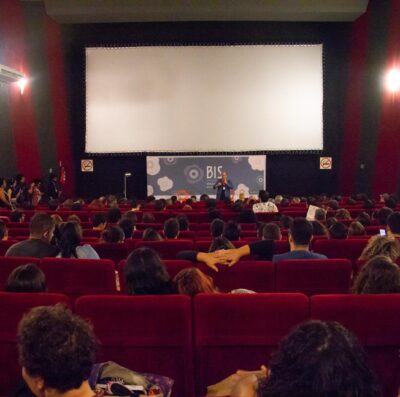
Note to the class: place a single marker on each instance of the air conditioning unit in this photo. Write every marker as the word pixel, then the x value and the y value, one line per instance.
pixel 9 75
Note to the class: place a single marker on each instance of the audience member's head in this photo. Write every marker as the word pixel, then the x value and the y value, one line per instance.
pixel 69 237
pixel 342 214
pixel 16 216
pixel 171 228
pixel 183 222
pixel 74 218
pixel 217 227
pixel 57 220
pixel 113 215
pixel 67 204
pixel 320 215
pixel 247 216
pixel 383 214
pixel 99 221
pixel 148 217
pixel 263 196
pixel 53 205
pixel 364 218
pixel 127 227
pixel 159 205
pixel 381 245
pixel 232 230
pixel 145 273
pixel 56 351
pixel 319 359
pixel 286 221
pixel 391 202
pixel 213 213
pixel 356 229
pixel 338 231
pixel 131 215
pixel 204 197
pixel 271 231
pixel 76 206
pixel 41 227
pixel 237 206
pixel 192 281
pixel 333 204
pixel 3 230
pixel 278 199
pixel 393 224
pixel 26 278
pixel 319 229
pixel 113 234
pixel 331 221
pixel 300 232
pixel 220 243
pixel 378 276
pixel 151 234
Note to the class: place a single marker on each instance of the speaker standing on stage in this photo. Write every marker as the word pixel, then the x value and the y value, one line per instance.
pixel 223 186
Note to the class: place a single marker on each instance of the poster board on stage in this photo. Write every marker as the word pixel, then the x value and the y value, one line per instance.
pixel 195 175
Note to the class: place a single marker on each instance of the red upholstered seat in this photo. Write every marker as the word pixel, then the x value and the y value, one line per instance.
pixel 347 249
pixel 142 226
pixel 91 233
pixel 12 307
pixel 9 263
pixel 161 216
pixel 19 231
pixel 174 266
pixel 240 331
pixel 145 333
pixel 76 277
pixel 113 251
pixel 167 249
pixel 312 277
pixel 375 320
pixel 254 275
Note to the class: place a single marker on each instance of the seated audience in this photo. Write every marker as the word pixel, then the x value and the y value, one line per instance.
pixel 364 219
pixel 192 281
pixel 67 204
pixel 151 234
pixel 378 276
pixel 213 213
pixel 286 221
pixel 26 278
pixel 383 214
pixel 217 227
pixel 331 221
pixel 338 231
pixel 183 222
pixel 356 229
pixel 171 229
pixel 317 359
pixel 247 216
pixel 96 204
pixel 127 226
pixel 3 230
pixel 76 206
pixel 41 229
pixel 342 214
pixel 278 199
pixel 381 245
pixel 113 216
pixel 264 205
pixel 271 231
pixel 393 225
pixel 53 205
pixel 68 241
pixel 56 351
pixel 232 231
pixel 4 197
pixel 159 205
pixel 99 221
pixel 145 273
pixel 333 204
pixel 57 220
pixel 113 234
pixel 220 243
pixel 148 217
pixel 16 216
pixel 74 218
pixel 320 215
pixel 319 229
pixel 391 202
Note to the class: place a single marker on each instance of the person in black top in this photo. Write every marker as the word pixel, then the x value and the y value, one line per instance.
pixel 53 189
pixel 224 187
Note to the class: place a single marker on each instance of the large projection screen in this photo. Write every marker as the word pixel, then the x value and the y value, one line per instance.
pixel 241 98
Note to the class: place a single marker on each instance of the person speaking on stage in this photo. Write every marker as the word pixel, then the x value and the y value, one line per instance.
pixel 223 186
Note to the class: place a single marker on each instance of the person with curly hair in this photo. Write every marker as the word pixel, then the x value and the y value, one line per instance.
pixel 57 351
pixel 381 245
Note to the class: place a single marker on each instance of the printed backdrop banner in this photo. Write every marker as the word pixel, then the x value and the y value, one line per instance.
pixel 182 175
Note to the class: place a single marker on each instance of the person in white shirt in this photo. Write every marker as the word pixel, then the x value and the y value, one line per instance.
pixel 264 205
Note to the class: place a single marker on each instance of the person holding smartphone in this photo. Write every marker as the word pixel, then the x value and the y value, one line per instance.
pixel 223 186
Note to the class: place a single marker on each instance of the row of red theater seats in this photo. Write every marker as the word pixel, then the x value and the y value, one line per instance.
pixel 198 343
pixel 168 249
pixel 77 277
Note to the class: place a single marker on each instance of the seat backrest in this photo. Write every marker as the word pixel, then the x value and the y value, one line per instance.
pixel 173 266
pixel 145 333
pixel 375 320
pixel 257 276
pixel 313 277
pixel 346 249
pixel 9 263
pixel 12 307
pixel 76 277
pixel 240 331
pixel 167 249
pixel 114 251
pixel 5 245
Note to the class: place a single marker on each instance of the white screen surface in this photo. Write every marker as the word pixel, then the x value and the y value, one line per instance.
pixel 204 98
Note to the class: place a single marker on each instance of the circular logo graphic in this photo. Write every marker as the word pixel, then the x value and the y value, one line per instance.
pixel 170 160
pixel 260 180
pixel 193 174
pixel 236 159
